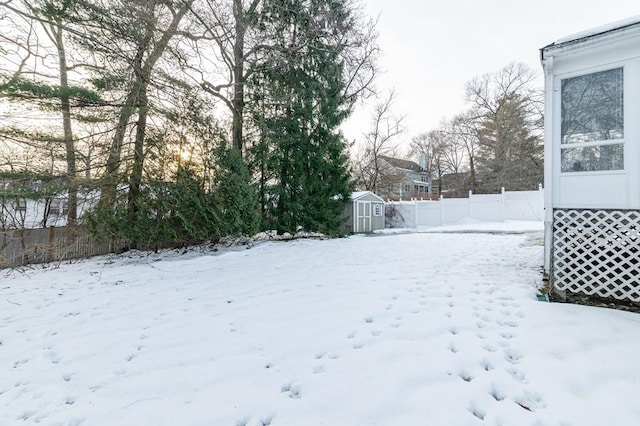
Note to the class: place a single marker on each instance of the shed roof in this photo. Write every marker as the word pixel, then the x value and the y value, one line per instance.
pixel 361 194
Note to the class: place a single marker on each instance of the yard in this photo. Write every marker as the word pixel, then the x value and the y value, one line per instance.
pixel 416 328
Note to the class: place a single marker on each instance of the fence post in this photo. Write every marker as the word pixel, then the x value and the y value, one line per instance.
pixel 49 254
pixel 415 212
pixel 502 204
pixel 470 207
pixel 441 201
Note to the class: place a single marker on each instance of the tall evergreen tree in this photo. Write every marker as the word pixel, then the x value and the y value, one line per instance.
pixel 303 104
pixel 510 154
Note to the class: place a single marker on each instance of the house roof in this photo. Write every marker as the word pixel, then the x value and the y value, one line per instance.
pixel 403 164
pixel 603 29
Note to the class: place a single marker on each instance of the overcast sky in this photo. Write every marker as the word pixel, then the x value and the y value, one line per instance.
pixel 432 47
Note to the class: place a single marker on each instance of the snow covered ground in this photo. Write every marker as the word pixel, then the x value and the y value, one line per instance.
pixel 408 329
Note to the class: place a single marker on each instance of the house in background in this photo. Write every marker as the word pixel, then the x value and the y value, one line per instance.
pixel 592 162
pixel 403 179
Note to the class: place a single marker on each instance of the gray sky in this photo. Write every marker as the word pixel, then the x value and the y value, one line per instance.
pixel 431 48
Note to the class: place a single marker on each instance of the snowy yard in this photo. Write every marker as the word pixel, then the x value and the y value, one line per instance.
pixel 407 329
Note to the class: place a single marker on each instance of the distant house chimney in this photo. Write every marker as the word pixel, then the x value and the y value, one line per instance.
pixel 422 161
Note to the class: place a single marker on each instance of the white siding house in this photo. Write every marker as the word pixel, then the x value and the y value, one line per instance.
pixel 592 161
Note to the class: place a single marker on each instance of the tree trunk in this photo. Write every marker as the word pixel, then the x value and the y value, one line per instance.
pixel 138 160
pixel 142 69
pixel 65 106
pixel 238 76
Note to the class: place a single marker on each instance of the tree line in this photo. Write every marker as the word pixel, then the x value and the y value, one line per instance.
pixel 496 142
pixel 189 119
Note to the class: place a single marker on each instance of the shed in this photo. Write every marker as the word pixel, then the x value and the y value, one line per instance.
pixel 592 161
pixel 365 212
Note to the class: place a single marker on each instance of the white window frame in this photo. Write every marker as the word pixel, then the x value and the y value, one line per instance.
pixel 596 143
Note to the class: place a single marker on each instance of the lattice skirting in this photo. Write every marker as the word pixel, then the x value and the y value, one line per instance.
pixel 597 253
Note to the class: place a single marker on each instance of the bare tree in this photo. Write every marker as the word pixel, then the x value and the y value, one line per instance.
pixel 507 105
pixel 29 82
pixel 380 140
pixel 464 127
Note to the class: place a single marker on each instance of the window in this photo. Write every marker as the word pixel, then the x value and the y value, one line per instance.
pixel 424 178
pixel 21 205
pixel 58 207
pixel 407 188
pixel 592 129
pixel 377 209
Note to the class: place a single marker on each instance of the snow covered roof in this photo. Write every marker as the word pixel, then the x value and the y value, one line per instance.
pixel 359 194
pixel 403 164
pixel 602 29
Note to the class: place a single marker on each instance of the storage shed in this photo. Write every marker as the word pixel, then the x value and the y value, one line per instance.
pixel 366 212
pixel 592 161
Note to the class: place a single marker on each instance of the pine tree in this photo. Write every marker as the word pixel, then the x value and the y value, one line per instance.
pixel 510 154
pixel 302 86
pixel 234 197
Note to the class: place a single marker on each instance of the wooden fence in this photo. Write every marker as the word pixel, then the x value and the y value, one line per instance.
pixel 20 247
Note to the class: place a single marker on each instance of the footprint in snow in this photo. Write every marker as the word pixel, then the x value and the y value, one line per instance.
pixel 477 411
pixel 465 375
pixel 490 348
pixel 266 421
pixel 291 390
pixel 486 364
pixel 368 320
pixel 530 401
pixel 512 355
pixel 497 393
pixel 516 374
pixel 507 335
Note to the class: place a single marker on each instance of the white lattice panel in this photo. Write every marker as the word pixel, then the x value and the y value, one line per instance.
pixel 597 252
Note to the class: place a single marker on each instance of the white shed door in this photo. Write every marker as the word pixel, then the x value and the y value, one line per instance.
pixel 363 216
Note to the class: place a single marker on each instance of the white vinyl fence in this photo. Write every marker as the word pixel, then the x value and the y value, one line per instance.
pixel 508 205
